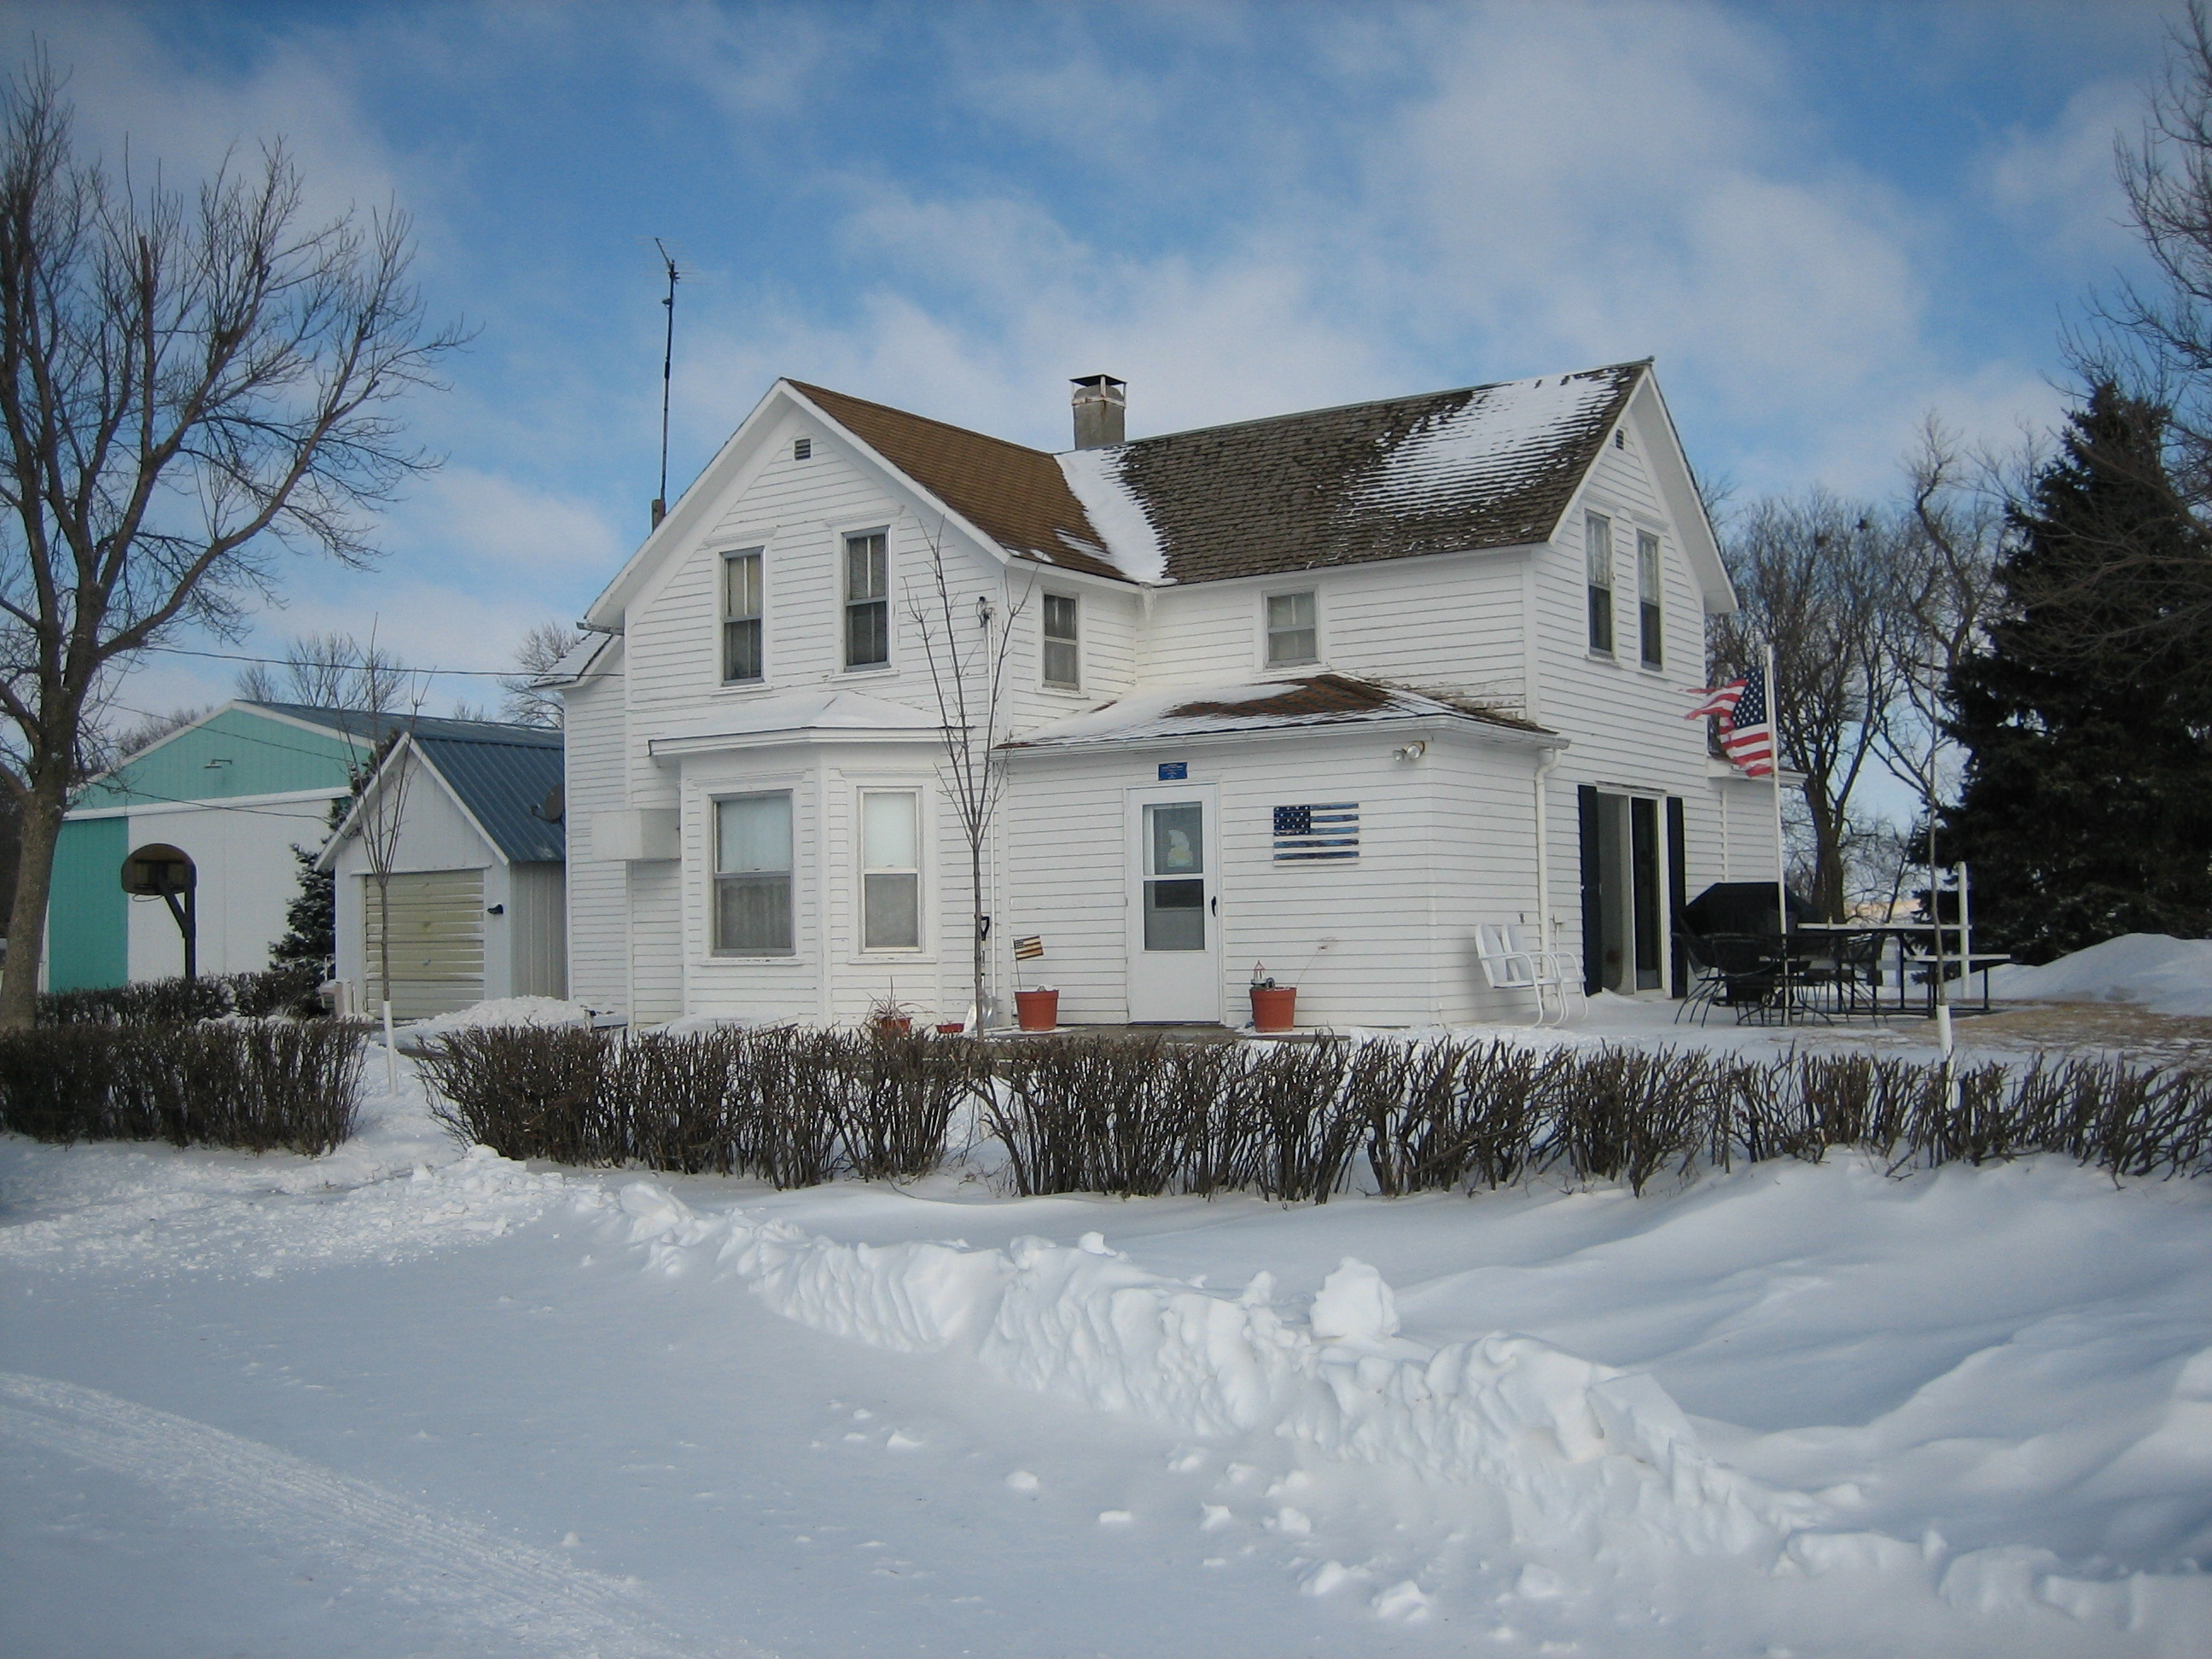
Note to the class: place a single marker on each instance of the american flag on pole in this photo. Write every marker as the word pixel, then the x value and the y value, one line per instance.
pixel 1746 723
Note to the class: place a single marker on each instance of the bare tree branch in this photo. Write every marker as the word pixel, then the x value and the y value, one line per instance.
pixel 190 385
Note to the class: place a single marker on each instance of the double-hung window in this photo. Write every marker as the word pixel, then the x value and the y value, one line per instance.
pixel 890 870
pixel 752 876
pixel 868 600
pixel 1597 550
pixel 1062 665
pixel 742 609
pixel 1647 597
pixel 1293 635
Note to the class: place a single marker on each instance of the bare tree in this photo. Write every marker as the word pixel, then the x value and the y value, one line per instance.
pixel 1944 590
pixel 380 788
pixel 188 384
pixel 329 671
pixel 1815 575
pixel 538 655
pixel 967 653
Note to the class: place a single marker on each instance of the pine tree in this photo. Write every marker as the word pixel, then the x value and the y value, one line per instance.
pixel 2087 809
pixel 311 921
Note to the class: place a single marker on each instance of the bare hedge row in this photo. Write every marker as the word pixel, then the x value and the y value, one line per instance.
pixel 291 989
pixel 256 1086
pixel 1139 1115
pixel 794 1106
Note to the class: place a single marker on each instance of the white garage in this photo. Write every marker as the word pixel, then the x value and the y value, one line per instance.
pixel 452 869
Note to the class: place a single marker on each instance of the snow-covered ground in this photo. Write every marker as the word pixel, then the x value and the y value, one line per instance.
pixel 406 1400
pixel 2163 974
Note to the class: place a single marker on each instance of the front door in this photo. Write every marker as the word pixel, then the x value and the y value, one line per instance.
pixel 1175 931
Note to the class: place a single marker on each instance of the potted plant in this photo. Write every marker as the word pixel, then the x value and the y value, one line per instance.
pixel 1274 1007
pixel 1038 1010
pixel 889 1016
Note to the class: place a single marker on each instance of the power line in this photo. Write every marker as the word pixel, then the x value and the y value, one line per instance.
pixel 516 672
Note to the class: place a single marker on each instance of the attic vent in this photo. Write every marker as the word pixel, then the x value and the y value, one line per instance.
pixel 1620 439
pixel 801 448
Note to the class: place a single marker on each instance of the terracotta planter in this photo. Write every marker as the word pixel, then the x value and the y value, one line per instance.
pixel 1038 1011
pixel 896 1025
pixel 1275 1010
pixel 951 1029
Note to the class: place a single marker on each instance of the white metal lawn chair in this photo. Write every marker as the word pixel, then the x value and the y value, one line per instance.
pixel 1508 964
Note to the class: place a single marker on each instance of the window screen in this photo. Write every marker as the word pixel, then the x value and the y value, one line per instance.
pixel 752 876
pixel 868 600
pixel 890 870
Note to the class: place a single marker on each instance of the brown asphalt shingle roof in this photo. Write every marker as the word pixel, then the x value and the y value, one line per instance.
pixel 1016 496
pixel 1489 466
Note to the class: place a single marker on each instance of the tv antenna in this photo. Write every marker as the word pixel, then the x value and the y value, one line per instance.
pixel 667 370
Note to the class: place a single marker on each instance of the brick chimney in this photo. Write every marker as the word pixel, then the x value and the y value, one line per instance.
pixel 1101 408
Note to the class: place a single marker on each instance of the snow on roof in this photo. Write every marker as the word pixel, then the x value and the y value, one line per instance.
pixel 1266 705
pixel 1132 542
pixel 1487 441
pixel 576 663
pixel 813 711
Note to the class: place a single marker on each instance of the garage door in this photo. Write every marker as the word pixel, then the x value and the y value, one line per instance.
pixel 437 942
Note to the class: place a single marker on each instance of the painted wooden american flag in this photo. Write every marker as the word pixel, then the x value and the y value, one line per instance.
pixel 1330 831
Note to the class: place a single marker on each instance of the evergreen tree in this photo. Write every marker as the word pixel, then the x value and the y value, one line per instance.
pixel 2086 810
pixel 311 921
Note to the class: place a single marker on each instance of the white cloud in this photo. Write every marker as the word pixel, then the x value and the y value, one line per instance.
pixel 2058 182
pixel 478 519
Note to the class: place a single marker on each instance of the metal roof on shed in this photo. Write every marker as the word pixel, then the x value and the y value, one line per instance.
pixel 505 784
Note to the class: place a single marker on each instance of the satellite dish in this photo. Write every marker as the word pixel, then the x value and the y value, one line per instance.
pixel 159 870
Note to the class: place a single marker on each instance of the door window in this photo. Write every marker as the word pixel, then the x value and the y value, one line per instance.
pixel 1174 876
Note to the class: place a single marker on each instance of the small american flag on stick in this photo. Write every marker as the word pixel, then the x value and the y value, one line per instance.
pixel 1747 722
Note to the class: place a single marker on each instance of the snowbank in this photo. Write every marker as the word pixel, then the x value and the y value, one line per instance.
pixel 1582 1452
pixel 2163 974
pixel 505 1011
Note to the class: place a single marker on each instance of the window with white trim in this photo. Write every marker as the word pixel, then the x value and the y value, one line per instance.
pixel 1062 662
pixel 890 870
pixel 867 600
pixel 1597 552
pixel 1293 632
pixel 752 876
pixel 1647 598
pixel 743 593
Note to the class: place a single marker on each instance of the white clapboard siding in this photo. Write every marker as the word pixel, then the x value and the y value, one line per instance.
pixel 598 898
pixel 437 961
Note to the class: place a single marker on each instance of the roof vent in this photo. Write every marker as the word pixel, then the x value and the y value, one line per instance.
pixel 1102 409
pixel 802 448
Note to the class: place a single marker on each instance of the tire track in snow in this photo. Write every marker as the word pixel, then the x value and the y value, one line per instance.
pixel 444 1566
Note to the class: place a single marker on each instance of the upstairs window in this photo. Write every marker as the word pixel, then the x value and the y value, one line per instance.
pixel 1597 550
pixel 1647 597
pixel 1062 664
pixel 752 876
pixel 1292 634
pixel 890 870
pixel 741 616
pixel 868 600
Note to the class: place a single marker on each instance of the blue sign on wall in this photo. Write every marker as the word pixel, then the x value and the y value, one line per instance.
pixel 1174 771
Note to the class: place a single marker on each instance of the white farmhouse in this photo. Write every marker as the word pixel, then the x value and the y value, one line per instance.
pixel 1322 692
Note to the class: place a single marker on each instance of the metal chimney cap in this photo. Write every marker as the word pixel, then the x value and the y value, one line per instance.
pixel 1100 385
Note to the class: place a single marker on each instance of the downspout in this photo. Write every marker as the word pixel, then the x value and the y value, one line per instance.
pixel 1544 853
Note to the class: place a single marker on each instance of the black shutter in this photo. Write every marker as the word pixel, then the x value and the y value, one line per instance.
pixel 1593 890
pixel 1678 894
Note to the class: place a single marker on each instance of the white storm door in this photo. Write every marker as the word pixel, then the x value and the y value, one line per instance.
pixel 1175 927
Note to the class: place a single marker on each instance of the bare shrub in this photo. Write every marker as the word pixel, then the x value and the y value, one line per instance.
pixel 1627 1113
pixel 257 1087
pixel 525 1091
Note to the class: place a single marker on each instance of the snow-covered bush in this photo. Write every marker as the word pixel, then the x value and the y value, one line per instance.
pixel 256 1087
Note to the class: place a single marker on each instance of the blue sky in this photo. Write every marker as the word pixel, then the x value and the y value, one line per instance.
pixel 1825 221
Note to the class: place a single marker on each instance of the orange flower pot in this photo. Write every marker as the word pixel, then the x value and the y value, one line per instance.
pixel 1037 1011
pixel 1275 1009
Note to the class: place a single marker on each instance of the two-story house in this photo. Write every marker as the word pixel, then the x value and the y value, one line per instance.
pixel 1323 691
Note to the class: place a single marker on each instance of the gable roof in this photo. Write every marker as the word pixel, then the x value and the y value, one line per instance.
pixel 1297 702
pixel 1476 469
pixel 1016 496
pixel 502 774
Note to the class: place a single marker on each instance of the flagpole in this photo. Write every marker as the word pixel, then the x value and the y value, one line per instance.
pixel 1781 849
